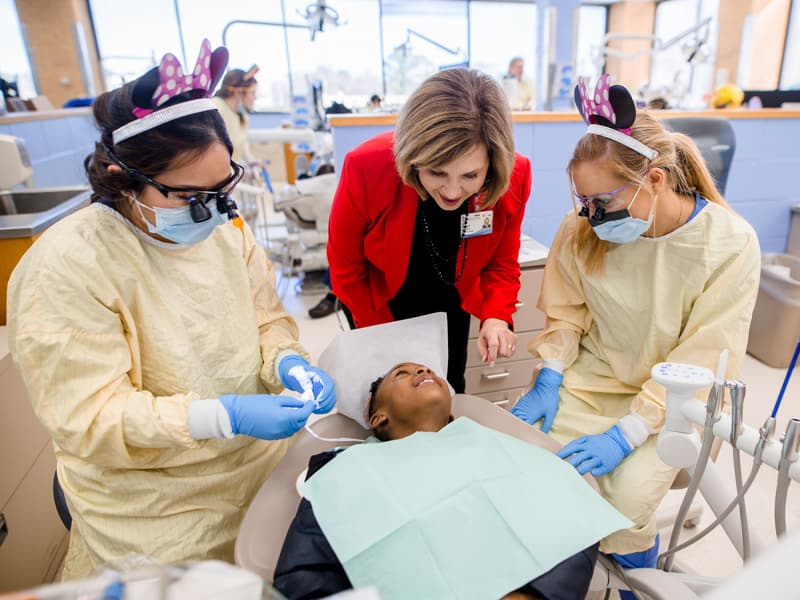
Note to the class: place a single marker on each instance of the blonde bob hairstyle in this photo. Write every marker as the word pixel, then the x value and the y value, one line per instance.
pixel 448 115
pixel 678 157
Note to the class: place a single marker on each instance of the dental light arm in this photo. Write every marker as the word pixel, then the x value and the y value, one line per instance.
pixel 737 390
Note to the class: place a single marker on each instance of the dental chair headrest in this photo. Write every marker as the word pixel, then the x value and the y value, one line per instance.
pixel 356 358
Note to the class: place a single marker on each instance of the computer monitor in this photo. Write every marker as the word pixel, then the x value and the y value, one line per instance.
pixel 773 98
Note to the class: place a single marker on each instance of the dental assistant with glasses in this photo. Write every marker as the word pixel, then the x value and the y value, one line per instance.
pixel 654 266
pixel 150 338
pixel 406 230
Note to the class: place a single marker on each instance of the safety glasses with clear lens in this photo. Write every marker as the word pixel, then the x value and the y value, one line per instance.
pixel 599 200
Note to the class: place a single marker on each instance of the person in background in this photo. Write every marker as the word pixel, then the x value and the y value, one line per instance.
pixel 326 306
pixel 235 100
pixel 655 267
pixel 410 397
pixel 150 338
pixel 405 231
pixel 374 104
pixel 518 90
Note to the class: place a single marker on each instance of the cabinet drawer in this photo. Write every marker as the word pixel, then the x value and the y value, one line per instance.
pixel 22 437
pixel 523 339
pixel 36 540
pixel 527 316
pixel 485 379
pixel 505 399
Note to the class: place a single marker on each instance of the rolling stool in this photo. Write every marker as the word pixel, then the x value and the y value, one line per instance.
pixel 61 503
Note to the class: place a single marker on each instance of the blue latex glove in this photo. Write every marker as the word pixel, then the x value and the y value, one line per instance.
pixel 541 401
pixel 597 454
pixel 297 375
pixel 266 416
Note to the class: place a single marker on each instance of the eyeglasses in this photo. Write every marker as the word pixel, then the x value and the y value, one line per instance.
pixel 599 200
pixel 197 199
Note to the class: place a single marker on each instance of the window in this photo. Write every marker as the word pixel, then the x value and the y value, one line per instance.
pixel 592 29
pixel 762 46
pixel 15 66
pixel 491 51
pixel 790 73
pixel 420 38
pixel 346 59
pixel 123 55
pixel 669 71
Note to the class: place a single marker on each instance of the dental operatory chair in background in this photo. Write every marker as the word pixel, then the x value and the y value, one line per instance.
pixel 307 207
pixel 290 222
pixel 715 139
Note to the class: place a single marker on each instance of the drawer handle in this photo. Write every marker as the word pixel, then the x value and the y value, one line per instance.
pixel 493 376
pixel 519 305
pixel 3 529
pixel 501 402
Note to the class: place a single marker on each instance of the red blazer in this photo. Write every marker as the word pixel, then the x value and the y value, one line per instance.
pixel 371 229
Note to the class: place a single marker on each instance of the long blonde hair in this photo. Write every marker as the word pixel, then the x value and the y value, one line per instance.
pixel 678 156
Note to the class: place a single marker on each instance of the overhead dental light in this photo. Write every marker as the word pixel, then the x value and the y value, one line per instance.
pixel 318 15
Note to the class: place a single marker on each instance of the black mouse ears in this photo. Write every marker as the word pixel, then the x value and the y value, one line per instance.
pixel 610 105
pixel 166 93
pixel 610 112
pixel 167 84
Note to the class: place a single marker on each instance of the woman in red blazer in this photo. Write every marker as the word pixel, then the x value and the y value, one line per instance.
pixel 408 230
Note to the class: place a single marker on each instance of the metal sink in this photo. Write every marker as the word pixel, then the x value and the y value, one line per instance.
pixel 24 213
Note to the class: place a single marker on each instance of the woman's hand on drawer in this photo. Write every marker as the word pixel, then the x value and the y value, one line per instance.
pixel 496 339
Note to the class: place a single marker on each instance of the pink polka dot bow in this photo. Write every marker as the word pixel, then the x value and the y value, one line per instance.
pixel 610 105
pixel 172 82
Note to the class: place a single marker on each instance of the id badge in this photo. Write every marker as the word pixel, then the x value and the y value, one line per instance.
pixel 477 223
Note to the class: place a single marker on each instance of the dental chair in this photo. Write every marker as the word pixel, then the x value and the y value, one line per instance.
pixel 424 340
pixel 306 206
pixel 715 139
pixel 267 520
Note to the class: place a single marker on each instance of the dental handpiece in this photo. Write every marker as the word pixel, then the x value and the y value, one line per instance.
pixel 789 455
pixel 737 392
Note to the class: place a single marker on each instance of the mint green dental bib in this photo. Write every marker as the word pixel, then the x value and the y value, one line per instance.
pixel 464 513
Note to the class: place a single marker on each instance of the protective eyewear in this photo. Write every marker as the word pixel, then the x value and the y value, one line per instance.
pixel 197 199
pixel 599 200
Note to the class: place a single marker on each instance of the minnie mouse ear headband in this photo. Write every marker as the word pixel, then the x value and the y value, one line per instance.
pixel 164 93
pixel 610 112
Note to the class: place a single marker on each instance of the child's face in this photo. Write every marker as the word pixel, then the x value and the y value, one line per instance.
pixel 411 398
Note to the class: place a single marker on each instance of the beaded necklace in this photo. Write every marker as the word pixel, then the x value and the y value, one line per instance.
pixel 436 256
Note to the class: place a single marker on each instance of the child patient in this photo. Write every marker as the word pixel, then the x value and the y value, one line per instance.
pixel 407 399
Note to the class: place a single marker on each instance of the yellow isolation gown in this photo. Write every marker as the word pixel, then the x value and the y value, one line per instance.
pixel 683 297
pixel 115 333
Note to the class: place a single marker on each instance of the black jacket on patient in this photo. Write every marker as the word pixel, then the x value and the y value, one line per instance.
pixel 308 568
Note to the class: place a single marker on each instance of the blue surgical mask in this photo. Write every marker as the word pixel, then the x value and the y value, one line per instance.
pixel 176 224
pixel 619 227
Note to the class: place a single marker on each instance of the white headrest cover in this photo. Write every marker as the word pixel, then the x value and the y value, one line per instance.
pixel 354 359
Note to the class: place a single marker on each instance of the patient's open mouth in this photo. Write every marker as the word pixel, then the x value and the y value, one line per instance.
pixel 423 379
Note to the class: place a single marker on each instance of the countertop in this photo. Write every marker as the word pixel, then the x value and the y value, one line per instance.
pixel 354 120
pixel 532 253
pixel 42 115
pixel 28 224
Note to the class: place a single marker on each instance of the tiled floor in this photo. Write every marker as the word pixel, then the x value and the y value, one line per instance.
pixel 714 555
